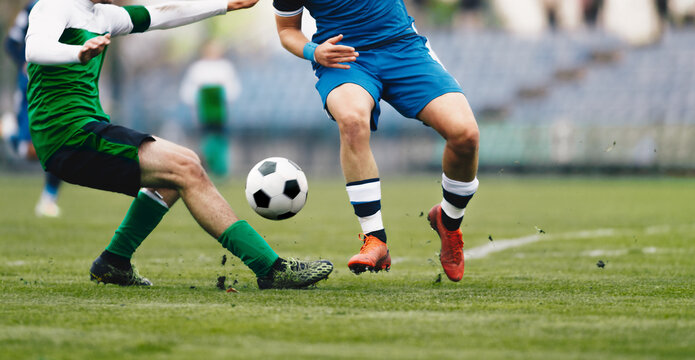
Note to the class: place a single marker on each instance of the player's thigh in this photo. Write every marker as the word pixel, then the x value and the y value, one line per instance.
pixel 102 156
pixel 350 93
pixel 350 102
pixel 166 164
pixel 449 114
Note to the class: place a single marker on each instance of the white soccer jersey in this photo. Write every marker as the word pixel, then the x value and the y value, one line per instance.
pixel 63 94
pixel 49 19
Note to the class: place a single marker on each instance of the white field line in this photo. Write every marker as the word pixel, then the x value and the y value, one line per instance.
pixel 499 245
pixel 504 244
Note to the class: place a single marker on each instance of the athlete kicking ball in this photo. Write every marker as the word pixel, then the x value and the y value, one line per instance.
pixel 74 139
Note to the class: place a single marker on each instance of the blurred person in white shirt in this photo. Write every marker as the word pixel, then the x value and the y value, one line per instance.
pixel 210 86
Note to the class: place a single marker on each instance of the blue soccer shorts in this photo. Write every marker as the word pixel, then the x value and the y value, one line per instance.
pixel 406 74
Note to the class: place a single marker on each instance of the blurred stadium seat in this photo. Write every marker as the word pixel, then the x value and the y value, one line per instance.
pixel 591 88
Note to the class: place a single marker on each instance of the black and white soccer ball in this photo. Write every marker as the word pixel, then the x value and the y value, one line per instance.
pixel 276 188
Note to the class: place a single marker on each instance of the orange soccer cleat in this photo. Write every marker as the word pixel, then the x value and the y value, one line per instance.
pixel 374 256
pixel 451 254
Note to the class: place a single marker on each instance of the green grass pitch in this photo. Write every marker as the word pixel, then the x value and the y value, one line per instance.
pixel 532 288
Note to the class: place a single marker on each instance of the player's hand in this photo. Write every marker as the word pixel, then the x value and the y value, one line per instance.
pixel 240 4
pixel 330 54
pixel 93 47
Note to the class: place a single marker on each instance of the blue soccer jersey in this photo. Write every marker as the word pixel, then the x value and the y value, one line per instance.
pixel 362 22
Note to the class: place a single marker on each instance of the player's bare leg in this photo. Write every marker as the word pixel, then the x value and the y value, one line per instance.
pixel 168 165
pixel 172 168
pixel 351 106
pixel 451 116
pixel 177 171
pixel 170 171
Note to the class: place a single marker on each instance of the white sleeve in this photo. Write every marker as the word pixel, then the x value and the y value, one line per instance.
pixel 116 19
pixel 176 14
pixel 47 21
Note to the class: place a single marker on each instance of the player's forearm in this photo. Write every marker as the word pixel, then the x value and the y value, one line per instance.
pixel 293 40
pixel 176 14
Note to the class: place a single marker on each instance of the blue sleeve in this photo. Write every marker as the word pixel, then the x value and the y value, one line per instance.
pixel 288 5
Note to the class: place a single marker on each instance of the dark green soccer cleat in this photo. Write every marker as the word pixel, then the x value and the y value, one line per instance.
pixel 104 272
pixel 295 274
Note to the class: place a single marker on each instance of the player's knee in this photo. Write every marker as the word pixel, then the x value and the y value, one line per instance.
pixel 194 170
pixel 465 141
pixel 354 126
pixel 190 170
pixel 191 154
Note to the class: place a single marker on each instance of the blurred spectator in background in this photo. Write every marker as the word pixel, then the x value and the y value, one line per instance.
pixel 564 14
pixel 210 86
pixel 472 13
pixel 522 17
pixel 442 12
pixel 590 9
pixel 20 140
pixel 535 17
pixel 449 13
pixel 635 21
pixel 682 12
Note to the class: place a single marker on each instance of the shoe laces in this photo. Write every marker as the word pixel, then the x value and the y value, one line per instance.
pixel 295 265
pixel 369 243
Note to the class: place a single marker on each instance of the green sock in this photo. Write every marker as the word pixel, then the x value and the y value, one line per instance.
pixel 144 215
pixel 244 242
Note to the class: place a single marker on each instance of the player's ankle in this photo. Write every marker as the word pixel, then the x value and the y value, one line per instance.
pixel 118 261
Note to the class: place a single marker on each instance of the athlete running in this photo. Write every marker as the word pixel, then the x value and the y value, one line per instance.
pixel 367 50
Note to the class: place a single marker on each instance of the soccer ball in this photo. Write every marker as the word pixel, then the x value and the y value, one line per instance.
pixel 276 188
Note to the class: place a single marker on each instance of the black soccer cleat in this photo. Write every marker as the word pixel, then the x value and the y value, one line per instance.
pixel 295 274
pixel 104 272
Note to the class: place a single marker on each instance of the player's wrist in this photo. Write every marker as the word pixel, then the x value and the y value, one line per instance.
pixel 309 51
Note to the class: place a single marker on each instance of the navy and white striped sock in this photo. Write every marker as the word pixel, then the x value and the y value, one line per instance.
pixel 365 197
pixel 456 195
